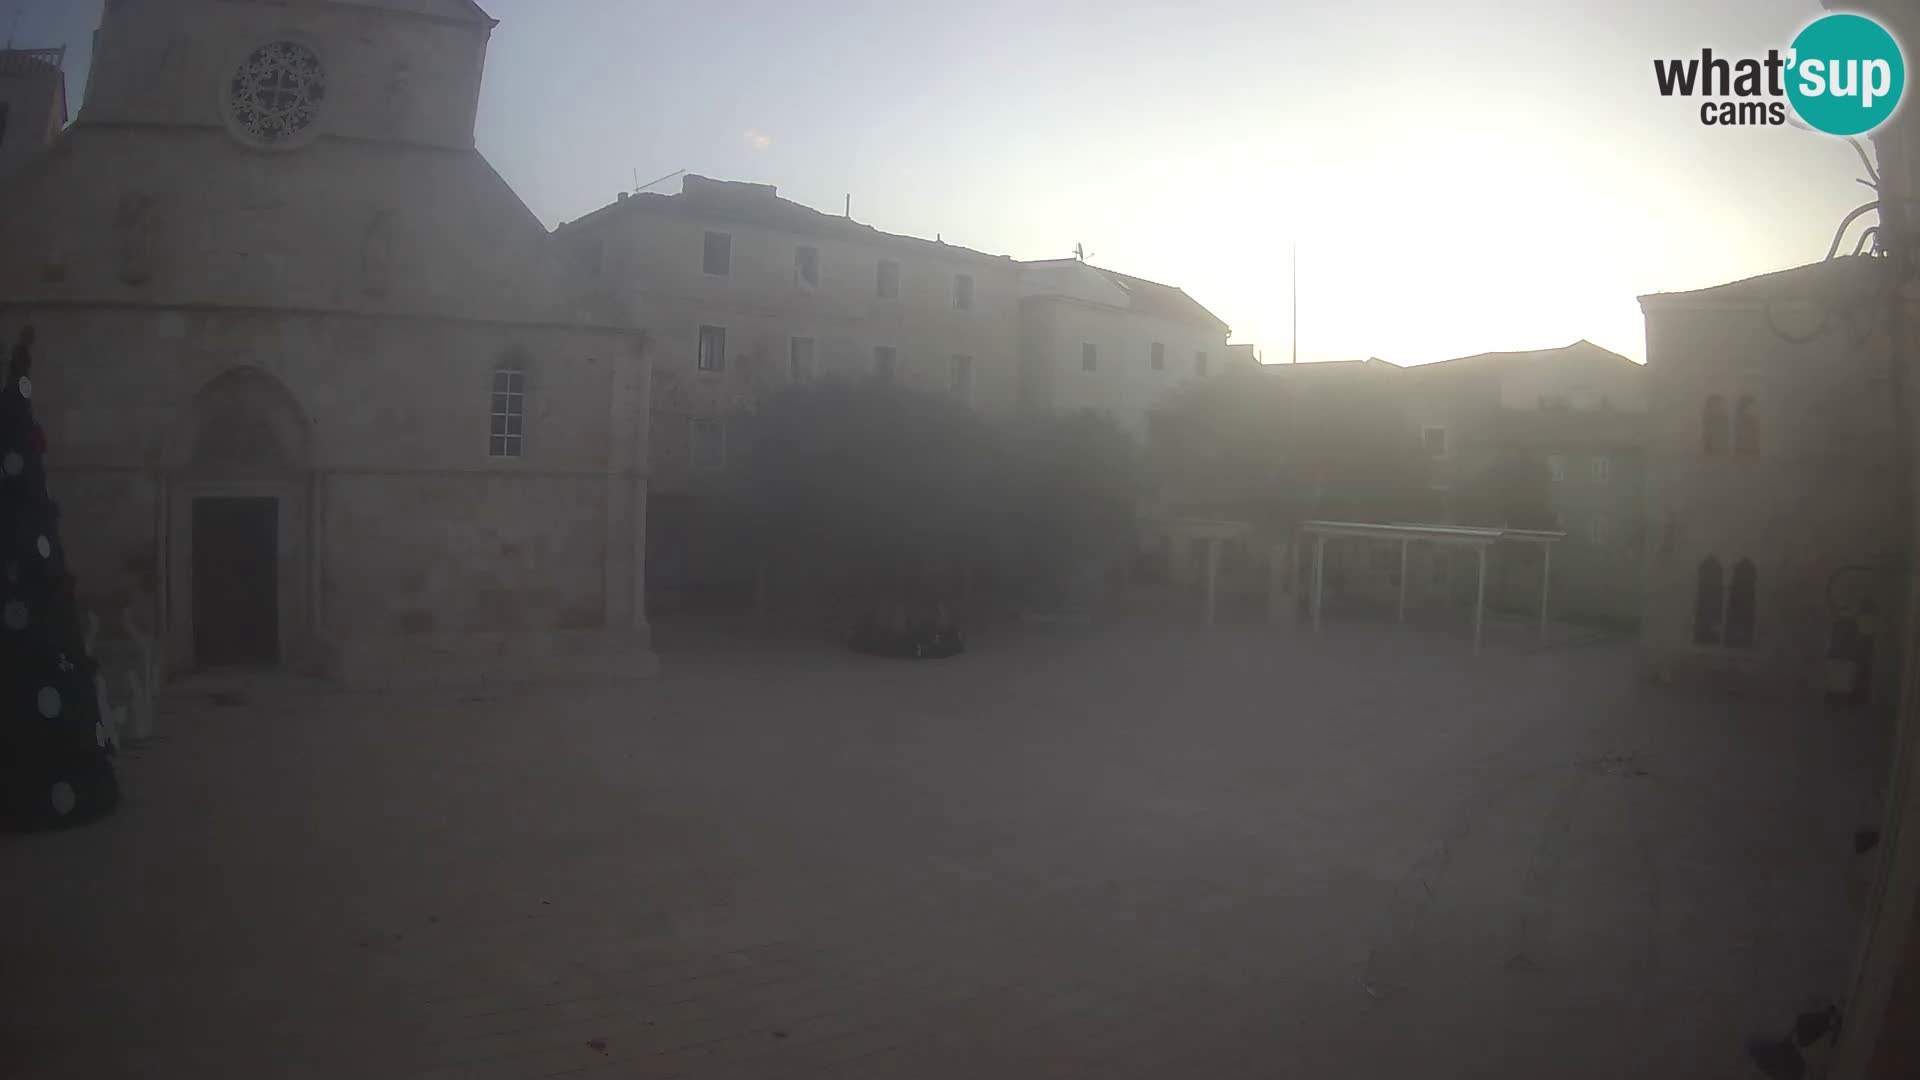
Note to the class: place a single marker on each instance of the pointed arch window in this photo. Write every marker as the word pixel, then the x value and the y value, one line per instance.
pixel 1740 604
pixel 1746 426
pixel 1713 421
pixel 1708 595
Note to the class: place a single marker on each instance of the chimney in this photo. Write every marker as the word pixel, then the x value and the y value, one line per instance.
pixel 623 196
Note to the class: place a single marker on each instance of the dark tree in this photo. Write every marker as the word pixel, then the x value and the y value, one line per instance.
pixel 1513 491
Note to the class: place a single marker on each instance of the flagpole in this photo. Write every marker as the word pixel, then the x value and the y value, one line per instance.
pixel 1294 274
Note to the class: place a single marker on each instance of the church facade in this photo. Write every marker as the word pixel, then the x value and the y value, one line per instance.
pixel 319 391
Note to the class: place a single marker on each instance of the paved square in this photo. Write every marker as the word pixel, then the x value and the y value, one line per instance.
pixel 1122 850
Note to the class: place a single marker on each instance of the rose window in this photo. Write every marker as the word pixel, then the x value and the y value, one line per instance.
pixel 277 92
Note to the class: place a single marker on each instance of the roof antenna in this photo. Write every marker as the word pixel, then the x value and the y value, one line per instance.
pixel 642 187
pixel 1080 252
pixel 13 26
pixel 848 214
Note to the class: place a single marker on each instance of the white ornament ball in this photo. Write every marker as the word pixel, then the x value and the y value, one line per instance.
pixel 49 702
pixel 45 548
pixel 26 387
pixel 13 463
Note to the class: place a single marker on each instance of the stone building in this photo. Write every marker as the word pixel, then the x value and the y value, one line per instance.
pixel 33 103
pixel 1574 418
pixel 317 390
pixel 745 292
pixel 1772 479
pixel 1101 340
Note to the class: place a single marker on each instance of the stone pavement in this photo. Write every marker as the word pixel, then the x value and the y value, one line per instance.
pixel 1122 850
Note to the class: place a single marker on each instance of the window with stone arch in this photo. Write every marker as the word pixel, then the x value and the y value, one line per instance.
pixel 1708 598
pixel 1746 426
pixel 1713 421
pixel 1741 597
pixel 275 95
pixel 509 413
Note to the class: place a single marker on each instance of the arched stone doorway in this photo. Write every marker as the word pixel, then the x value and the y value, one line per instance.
pixel 239 496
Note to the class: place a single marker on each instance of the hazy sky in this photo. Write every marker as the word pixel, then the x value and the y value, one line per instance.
pixel 1460 177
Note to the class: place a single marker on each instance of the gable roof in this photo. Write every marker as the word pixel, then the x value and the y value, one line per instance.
pixel 1828 279
pixel 461 11
pixel 1579 350
pixel 1149 298
pixel 761 204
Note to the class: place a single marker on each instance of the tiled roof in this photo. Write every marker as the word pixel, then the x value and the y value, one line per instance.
pixel 1579 350
pixel 1150 298
pixel 1846 274
pixel 761 204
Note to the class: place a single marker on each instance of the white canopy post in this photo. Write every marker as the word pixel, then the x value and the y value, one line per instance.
pixel 1480 600
pixel 1546 579
pixel 1403 581
pixel 1319 577
pixel 1213 574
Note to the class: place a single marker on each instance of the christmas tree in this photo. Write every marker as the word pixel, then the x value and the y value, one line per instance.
pixel 55 766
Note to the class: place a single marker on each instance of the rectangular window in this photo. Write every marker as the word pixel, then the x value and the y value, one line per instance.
pixel 1200 364
pixel 707 441
pixel 1435 440
pixel 1597 531
pixel 799 359
pixel 713 348
pixel 1089 357
pixel 1602 469
pixel 806 265
pixel 963 378
pixel 885 359
pixel 718 260
pixel 886 282
pixel 1159 360
pixel 1557 468
pixel 963 292
pixel 509 410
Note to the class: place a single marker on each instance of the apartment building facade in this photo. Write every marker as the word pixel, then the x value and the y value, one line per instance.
pixel 33 103
pixel 746 292
pixel 1097 339
pixel 1570 419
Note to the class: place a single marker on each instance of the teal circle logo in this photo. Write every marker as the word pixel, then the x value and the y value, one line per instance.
pixel 1847 74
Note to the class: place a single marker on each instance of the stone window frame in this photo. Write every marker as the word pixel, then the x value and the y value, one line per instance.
pixel 700 364
pixel 963 292
pixel 797 372
pixel 224 91
pixel 507 412
pixel 707 251
pixel 1200 363
pixel 960 377
pixel 886 286
pixel 1746 426
pixel 719 461
pixel 800 266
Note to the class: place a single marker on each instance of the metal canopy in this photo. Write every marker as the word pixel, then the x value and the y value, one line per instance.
pixel 1404 534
